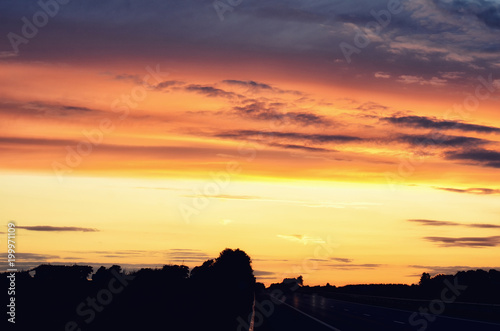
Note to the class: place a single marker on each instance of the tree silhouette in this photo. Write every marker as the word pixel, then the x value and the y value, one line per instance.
pixel 202 271
pixel 234 267
pixel 225 284
pixel 212 296
pixel 60 273
pixel 424 279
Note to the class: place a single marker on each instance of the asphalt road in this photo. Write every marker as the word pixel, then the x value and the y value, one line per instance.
pixel 316 313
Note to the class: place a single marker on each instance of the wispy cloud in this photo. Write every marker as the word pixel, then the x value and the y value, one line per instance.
pixel 409 79
pixel 211 91
pixel 168 83
pixel 264 111
pixel 340 259
pixel 159 188
pixel 434 223
pixel 382 75
pixel 49 228
pixel 227 197
pixel 300 147
pixel 433 140
pixel 34 141
pixel 261 273
pixel 346 264
pixel 349 266
pixel 474 190
pixel 7 54
pixel 293 136
pixel 447 223
pixel 125 253
pixel 434 123
pixel 371 106
pixel 337 259
pixel 42 109
pixel 248 83
pixel 311 141
pixel 59 109
pixel 289 140
pixel 483 157
pixel 473 242
pixel 302 239
pixel 186 255
pixel 258 87
pixel 175 255
pixel 31 257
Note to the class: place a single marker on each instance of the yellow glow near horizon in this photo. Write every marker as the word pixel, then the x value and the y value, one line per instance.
pixel 272 221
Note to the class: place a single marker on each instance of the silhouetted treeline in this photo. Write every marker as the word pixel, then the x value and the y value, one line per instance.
pixel 210 297
pixel 289 285
pixel 478 286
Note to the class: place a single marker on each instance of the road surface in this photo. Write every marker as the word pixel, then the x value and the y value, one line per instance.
pixel 317 313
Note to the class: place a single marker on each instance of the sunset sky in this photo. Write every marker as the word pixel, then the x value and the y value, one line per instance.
pixel 347 141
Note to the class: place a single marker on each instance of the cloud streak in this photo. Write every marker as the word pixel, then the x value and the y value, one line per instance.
pixel 447 223
pixel 483 157
pixel 351 266
pixel 294 136
pixel 211 91
pixel 262 111
pixel 186 255
pixel 433 123
pixel 302 239
pixel 48 228
pixel 337 259
pixel 228 197
pixel 474 190
pixel 472 242
pixel 260 87
pixel 441 140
